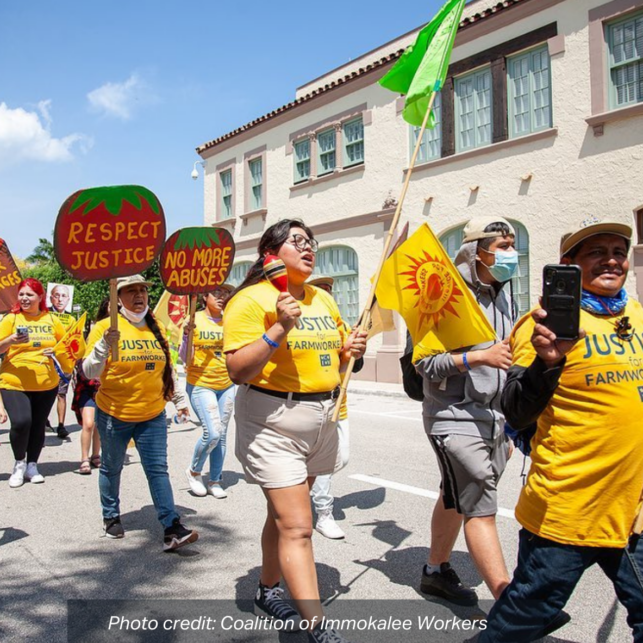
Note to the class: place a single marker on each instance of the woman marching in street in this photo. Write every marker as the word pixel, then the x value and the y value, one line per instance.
pixel 288 350
pixel 210 390
pixel 28 378
pixel 131 405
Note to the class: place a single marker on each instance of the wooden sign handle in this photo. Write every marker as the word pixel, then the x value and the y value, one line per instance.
pixel 191 333
pixel 113 314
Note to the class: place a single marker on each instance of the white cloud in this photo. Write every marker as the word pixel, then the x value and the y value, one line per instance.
pixel 120 100
pixel 26 135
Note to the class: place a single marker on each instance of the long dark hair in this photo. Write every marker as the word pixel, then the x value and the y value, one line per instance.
pixel 270 243
pixel 168 379
pixel 103 310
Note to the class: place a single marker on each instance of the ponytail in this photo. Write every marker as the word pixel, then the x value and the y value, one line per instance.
pixel 168 379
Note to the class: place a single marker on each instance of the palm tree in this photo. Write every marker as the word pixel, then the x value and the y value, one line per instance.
pixel 43 252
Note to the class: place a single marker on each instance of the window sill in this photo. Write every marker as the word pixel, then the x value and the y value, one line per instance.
pixel 229 223
pixel 249 216
pixel 599 121
pixel 494 147
pixel 337 173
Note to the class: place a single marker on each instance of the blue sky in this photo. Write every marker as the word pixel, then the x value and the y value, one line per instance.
pixel 122 92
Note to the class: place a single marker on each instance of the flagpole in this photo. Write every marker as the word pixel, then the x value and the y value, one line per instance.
pixel 188 357
pixel 366 314
pixel 113 314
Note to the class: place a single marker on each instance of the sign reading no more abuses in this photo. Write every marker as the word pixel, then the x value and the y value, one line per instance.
pixel 196 260
pixel 109 232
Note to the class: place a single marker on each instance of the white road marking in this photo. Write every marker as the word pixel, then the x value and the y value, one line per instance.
pixel 398 486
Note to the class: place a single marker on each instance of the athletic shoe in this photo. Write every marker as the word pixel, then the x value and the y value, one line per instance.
pixel 48 425
pixel 17 478
pixel 62 431
pixel 178 536
pixel 447 584
pixel 270 603
pixel 327 526
pixel 215 489
pixel 196 483
pixel 325 635
pixel 561 619
pixel 33 475
pixel 113 528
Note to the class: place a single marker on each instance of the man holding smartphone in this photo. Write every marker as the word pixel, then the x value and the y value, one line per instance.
pixel 584 489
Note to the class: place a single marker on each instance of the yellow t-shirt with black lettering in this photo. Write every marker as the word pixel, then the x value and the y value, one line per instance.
pixel 65 319
pixel 308 360
pixel 208 367
pixel 131 388
pixel 24 367
pixel 586 475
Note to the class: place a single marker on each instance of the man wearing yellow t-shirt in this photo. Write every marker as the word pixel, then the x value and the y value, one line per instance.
pixel 583 492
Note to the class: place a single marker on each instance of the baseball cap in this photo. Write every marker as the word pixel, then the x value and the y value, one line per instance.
pixel 132 280
pixel 321 280
pixel 474 230
pixel 591 227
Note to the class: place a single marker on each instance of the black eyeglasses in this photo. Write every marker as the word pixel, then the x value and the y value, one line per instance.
pixel 300 242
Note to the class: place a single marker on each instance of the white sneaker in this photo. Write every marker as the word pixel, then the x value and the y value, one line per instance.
pixel 215 489
pixel 33 475
pixel 17 478
pixel 196 483
pixel 327 526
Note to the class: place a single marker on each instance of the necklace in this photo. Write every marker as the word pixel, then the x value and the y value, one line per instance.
pixel 622 326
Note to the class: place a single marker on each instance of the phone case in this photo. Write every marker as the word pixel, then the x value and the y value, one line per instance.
pixel 561 299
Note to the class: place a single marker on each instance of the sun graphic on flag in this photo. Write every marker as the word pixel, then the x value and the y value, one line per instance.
pixel 177 308
pixel 431 280
pixel 72 349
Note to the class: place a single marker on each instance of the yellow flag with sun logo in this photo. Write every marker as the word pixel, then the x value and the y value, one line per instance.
pixel 422 284
pixel 72 345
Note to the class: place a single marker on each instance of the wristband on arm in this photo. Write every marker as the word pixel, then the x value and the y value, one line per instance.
pixel 269 341
pixel 465 361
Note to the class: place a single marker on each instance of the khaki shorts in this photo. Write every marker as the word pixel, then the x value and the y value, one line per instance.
pixel 280 443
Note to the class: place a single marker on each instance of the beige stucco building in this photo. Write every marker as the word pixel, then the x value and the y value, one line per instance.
pixel 540 121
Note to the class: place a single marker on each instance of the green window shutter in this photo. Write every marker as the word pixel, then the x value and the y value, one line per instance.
pixel 302 160
pixel 341 263
pixel 353 140
pixel 238 273
pixel 226 193
pixel 326 152
pixel 431 146
pixel 625 44
pixel 256 183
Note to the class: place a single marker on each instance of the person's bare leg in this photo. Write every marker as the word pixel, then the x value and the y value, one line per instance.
pixel 291 540
pixel 61 407
pixel 87 431
pixel 445 527
pixel 484 546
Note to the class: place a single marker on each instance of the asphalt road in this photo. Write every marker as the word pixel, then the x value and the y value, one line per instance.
pixel 52 548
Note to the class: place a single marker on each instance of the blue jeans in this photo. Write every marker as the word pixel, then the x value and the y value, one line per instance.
pixel 214 410
pixel 150 438
pixel 545 577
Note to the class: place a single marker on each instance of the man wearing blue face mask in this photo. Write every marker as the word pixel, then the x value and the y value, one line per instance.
pixel 464 421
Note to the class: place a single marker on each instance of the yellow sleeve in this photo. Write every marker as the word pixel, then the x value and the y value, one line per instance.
pixel 244 322
pixel 94 336
pixel 7 326
pixel 522 350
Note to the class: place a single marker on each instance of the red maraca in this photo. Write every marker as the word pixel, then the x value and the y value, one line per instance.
pixel 276 272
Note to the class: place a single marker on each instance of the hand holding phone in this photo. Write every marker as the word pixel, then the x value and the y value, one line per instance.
pixel 22 334
pixel 561 300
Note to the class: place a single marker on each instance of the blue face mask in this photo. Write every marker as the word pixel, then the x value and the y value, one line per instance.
pixel 505 265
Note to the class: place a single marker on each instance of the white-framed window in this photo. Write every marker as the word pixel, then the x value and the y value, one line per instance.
pixel 255 168
pixel 238 273
pixel 353 138
pixel 326 159
pixel 302 160
pixel 451 241
pixel 529 92
pixel 473 110
pixel 625 52
pixel 226 193
pixel 341 263
pixel 431 146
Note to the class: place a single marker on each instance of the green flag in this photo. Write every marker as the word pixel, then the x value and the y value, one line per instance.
pixel 422 68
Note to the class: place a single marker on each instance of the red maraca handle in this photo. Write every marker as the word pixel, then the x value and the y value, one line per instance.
pixel 276 272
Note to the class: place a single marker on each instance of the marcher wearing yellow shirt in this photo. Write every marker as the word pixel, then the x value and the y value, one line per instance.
pixel 210 390
pixel 583 492
pixel 28 378
pixel 131 404
pixel 287 350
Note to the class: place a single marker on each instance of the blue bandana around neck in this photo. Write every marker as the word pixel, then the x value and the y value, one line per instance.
pixel 604 305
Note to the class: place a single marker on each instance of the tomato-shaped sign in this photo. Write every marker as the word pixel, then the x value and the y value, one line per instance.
pixel 9 279
pixel 196 260
pixel 109 232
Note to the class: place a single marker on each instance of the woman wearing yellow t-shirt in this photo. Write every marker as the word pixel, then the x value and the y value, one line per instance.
pixel 288 350
pixel 210 390
pixel 131 404
pixel 28 378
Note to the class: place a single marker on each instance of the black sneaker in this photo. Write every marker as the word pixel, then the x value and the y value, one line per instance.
pixel 561 619
pixel 270 603
pixel 446 584
pixel 62 431
pixel 113 528
pixel 323 634
pixel 178 536
pixel 48 426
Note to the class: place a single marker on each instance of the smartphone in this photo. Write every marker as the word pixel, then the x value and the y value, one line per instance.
pixel 561 299
pixel 22 330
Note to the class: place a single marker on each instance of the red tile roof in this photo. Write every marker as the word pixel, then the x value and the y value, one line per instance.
pixel 466 22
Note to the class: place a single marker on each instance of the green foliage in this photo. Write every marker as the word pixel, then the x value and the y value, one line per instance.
pixel 42 253
pixel 113 197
